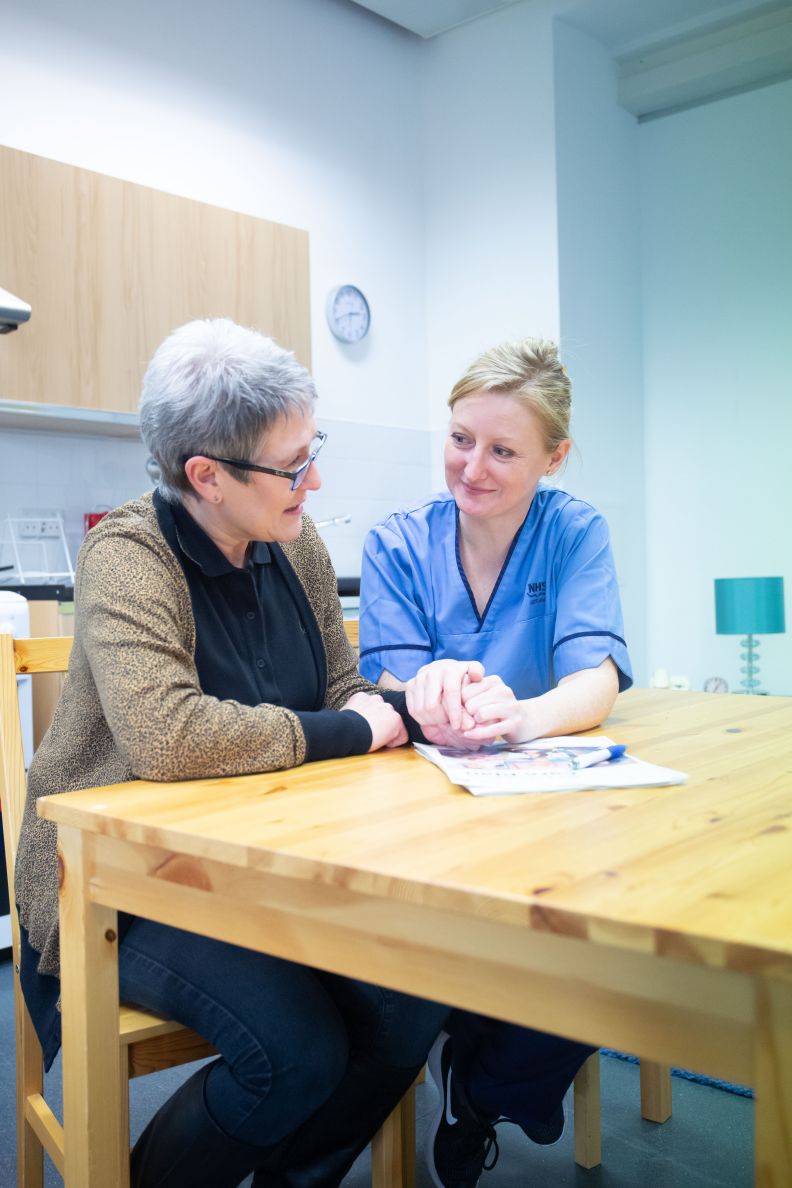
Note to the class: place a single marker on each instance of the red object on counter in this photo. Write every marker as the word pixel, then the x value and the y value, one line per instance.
pixel 91 519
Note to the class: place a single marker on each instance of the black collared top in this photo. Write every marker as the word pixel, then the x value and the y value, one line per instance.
pixel 257 639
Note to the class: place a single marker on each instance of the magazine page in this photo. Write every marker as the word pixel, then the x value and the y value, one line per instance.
pixel 545 765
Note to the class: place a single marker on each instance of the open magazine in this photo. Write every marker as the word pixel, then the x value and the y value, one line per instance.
pixel 544 765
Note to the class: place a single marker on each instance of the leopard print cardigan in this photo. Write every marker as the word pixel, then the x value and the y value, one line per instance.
pixel 131 706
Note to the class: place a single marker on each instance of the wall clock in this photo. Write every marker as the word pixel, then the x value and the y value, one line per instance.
pixel 348 313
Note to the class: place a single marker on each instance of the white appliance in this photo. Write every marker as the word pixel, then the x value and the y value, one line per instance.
pixel 13 311
pixel 15 620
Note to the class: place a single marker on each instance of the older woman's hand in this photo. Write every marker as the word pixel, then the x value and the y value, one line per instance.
pixel 387 727
pixel 434 695
pixel 495 711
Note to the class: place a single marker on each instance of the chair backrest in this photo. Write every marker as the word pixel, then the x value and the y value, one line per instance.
pixel 351 627
pixel 19 657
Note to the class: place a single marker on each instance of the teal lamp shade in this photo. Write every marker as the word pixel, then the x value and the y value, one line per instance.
pixel 749 606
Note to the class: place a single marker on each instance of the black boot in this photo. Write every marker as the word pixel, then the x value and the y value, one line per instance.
pixel 183 1147
pixel 322 1150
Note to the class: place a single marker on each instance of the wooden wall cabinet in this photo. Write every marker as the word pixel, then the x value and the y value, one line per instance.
pixel 110 268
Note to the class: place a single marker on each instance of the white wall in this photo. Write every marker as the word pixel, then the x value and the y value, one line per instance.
pixel 77 473
pixel 599 287
pixel 302 111
pixel 478 186
pixel 425 172
pixel 490 192
pixel 70 474
pixel 716 187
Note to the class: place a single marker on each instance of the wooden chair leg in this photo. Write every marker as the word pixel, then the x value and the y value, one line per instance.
pixel 29 1080
pixel 386 1153
pixel 125 1095
pixel 393 1147
pixel 655 1091
pixel 588 1143
pixel 407 1108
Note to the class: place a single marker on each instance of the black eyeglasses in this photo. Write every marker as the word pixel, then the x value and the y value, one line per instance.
pixel 295 476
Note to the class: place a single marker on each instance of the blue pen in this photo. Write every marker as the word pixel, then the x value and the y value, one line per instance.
pixel 600 756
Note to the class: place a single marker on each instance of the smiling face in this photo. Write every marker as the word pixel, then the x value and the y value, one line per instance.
pixel 233 513
pixel 265 507
pixel 495 455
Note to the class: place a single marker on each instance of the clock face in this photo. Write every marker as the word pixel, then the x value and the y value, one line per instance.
pixel 348 314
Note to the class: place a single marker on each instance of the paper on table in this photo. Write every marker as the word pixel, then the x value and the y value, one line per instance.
pixel 543 765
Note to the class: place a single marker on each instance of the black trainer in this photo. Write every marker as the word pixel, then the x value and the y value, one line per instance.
pixel 459 1143
pixel 547 1133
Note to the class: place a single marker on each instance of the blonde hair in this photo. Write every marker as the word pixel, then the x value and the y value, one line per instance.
pixel 530 371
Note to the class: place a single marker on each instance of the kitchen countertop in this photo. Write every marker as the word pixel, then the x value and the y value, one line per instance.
pixel 58 592
pixel 50 591
pixel 348 587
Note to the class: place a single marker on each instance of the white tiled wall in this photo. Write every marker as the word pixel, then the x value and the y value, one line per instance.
pixel 67 473
pixel 367 471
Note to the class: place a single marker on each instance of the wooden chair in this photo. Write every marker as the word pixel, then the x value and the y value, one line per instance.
pixel 148 1042
pixel 655 1078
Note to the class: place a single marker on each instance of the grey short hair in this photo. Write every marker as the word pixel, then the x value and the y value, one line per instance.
pixel 215 387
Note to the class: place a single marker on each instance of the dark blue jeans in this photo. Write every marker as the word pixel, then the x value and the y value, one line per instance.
pixel 284 1032
pixel 513 1072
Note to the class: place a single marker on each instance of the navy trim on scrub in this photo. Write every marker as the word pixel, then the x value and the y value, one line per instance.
pixel 504 567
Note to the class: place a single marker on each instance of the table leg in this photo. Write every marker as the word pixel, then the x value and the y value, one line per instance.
pixel 773 1084
pixel 655 1091
pixel 588 1140
pixel 96 1152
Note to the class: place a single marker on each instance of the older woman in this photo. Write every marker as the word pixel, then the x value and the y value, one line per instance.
pixel 209 642
pixel 508 588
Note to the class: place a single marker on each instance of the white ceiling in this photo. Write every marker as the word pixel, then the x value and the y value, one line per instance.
pixel 669 53
pixel 625 25
pixel 429 17
pixel 620 24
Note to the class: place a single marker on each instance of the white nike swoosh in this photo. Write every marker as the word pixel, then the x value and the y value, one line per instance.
pixel 450 1119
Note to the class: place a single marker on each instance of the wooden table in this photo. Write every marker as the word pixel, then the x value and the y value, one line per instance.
pixel 658 921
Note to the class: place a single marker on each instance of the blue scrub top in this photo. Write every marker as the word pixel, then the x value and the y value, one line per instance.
pixel 554 610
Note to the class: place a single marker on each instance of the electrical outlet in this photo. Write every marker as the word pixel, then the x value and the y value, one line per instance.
pixel 38 528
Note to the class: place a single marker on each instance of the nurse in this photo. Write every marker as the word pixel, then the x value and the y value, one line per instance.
pixel 496 606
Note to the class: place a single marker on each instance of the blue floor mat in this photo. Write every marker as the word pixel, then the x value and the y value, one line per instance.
pixel 699 1078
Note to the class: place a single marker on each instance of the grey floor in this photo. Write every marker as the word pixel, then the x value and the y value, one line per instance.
pixel 707 1144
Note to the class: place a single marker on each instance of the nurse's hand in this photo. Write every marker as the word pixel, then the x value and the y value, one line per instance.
pixel 446 736
pixel 495 711
pixel 387 727
pixel 434 695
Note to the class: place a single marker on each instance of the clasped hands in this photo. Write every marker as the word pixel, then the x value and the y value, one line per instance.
pixel 456 705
